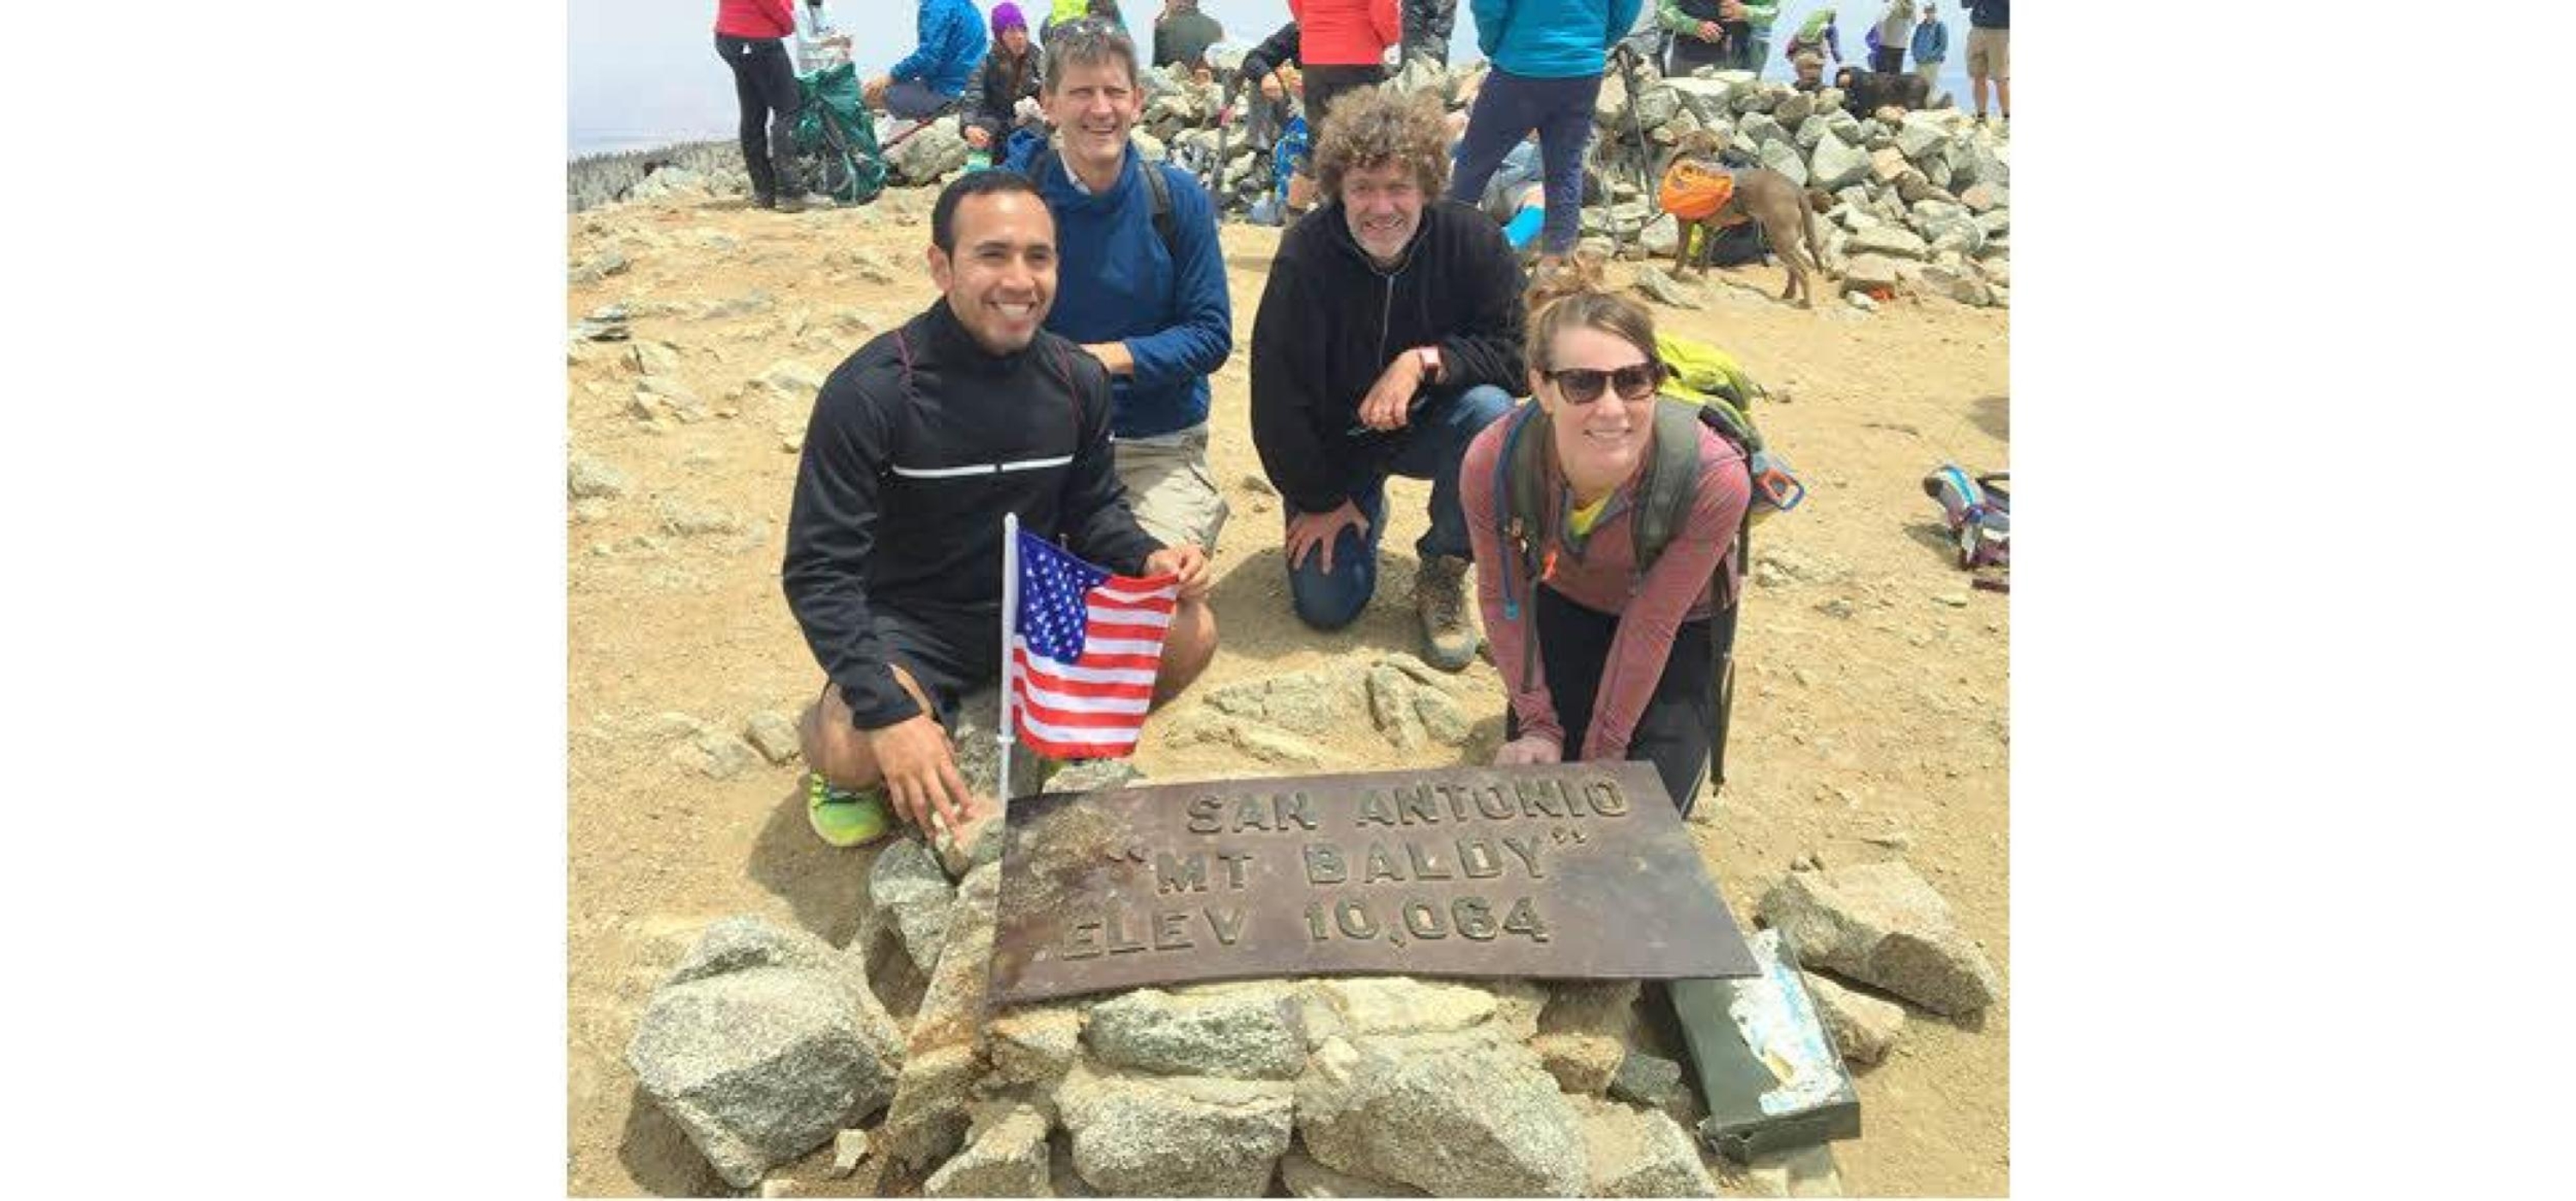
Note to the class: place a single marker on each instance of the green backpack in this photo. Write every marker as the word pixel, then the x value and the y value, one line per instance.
pixel 834 138
pixel 1665 492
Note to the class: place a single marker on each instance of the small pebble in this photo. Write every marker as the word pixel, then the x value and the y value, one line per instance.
pixel 848 1148
pixel 1956 600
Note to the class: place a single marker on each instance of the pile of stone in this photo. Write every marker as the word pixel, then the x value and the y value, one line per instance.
pixel 1920 200
pixel 1178 123
pixel 689 170
pixel 766 1045
pixel 1283 721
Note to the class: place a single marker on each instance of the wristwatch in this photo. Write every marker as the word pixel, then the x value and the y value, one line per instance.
pixel 1429 356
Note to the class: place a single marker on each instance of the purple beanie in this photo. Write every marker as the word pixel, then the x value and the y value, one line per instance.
pixel 1006 15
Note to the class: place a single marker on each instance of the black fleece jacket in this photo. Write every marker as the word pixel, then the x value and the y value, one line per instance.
pixel 1331 320
pixel 1274 52
pixel 906 475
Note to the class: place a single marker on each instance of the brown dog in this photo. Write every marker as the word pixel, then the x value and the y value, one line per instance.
pixel 1761 195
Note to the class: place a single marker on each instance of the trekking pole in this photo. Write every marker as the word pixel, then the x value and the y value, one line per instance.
pixel 1225 110
pixel 1627 57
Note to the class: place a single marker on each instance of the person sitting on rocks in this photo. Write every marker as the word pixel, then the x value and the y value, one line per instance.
pixel 1272 66
pixel 928 81
pixel 919 442
pixel 1007 77
pixel 1388 334
pixel 1601 661
pixel 1141 281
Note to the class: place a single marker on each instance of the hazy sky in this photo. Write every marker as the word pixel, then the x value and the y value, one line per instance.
pixel 645 73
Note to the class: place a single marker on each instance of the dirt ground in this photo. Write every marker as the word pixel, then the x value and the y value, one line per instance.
pixel 1872 717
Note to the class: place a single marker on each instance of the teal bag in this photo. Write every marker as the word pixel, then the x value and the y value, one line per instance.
pixel 834 138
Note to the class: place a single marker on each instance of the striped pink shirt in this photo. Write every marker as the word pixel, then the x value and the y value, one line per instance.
pixel 1604 578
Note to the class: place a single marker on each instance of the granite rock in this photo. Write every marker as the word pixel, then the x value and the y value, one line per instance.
pixel 1882 925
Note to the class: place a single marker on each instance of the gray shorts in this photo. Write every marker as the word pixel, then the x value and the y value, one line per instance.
pixel 1169 488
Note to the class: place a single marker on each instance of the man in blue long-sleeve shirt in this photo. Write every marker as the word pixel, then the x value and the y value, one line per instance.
pixel 1146 295
pixel 950 41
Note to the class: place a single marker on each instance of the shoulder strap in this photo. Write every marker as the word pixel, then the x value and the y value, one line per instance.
pixel 1160 189
pixel 1520 500
pixel 1671 483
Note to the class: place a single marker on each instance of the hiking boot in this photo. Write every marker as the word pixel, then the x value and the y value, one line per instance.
pixel 1440 597
pixel 764 200
pixel 843 818
pixel 803 202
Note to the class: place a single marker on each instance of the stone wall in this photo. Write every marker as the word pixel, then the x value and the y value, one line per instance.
pixel 1919 202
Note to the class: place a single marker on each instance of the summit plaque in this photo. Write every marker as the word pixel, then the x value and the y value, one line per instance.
pixel 1567 871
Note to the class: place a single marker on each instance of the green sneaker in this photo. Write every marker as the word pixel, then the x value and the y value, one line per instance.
pixel 844 818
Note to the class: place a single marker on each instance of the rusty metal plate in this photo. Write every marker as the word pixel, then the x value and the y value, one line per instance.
pixel 1568 871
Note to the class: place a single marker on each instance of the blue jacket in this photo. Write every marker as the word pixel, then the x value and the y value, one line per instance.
pixel 1552 39
pixel 1931 42
pixel 1115 281
pixel 950 42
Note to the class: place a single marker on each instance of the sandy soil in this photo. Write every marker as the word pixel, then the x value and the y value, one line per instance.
pixel 1878 734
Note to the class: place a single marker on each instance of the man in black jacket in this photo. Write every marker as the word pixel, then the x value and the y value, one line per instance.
pixel 1389 334
pixel 919 443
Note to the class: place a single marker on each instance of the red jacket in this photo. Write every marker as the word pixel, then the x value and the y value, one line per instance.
pixel 1345 33
pixel 756 18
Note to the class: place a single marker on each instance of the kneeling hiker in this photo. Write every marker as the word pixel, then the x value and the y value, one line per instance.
pixel 1142 278
pixel 919 443
pixel 1388 331
pixel 1606 646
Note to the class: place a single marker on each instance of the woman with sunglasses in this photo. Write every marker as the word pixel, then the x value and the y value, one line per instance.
pixel 1622 665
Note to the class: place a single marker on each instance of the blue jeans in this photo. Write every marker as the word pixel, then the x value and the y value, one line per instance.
pixel 1507 108
pixel 1431 451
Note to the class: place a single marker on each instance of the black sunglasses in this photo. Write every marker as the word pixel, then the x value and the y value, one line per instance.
pixel 1582 385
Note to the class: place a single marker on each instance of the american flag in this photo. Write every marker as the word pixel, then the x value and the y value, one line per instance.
pixel 1084 648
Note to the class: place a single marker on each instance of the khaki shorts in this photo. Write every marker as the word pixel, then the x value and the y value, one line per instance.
pixel 1169 488
pixel 1990 54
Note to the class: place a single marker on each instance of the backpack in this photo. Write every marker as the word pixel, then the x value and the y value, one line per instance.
pixel 1978 511
pixel 1665 492
pixel 1157 188
pixel 834 140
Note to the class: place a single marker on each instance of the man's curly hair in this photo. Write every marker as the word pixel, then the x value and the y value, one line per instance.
pixel 1369 128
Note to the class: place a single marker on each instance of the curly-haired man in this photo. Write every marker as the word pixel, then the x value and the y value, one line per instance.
pixel 1389 334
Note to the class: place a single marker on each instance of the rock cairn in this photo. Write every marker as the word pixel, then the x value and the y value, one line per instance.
pixel 1919 201
pixel 767 1046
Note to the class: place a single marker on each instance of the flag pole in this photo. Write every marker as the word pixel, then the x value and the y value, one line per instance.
pixel 1006 727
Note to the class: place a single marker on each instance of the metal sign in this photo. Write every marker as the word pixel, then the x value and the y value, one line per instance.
pixel 1570 871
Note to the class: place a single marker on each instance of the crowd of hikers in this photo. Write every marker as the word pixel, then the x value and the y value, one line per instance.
pixel 1598 510
pixel 984 66
pixel 1597 478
